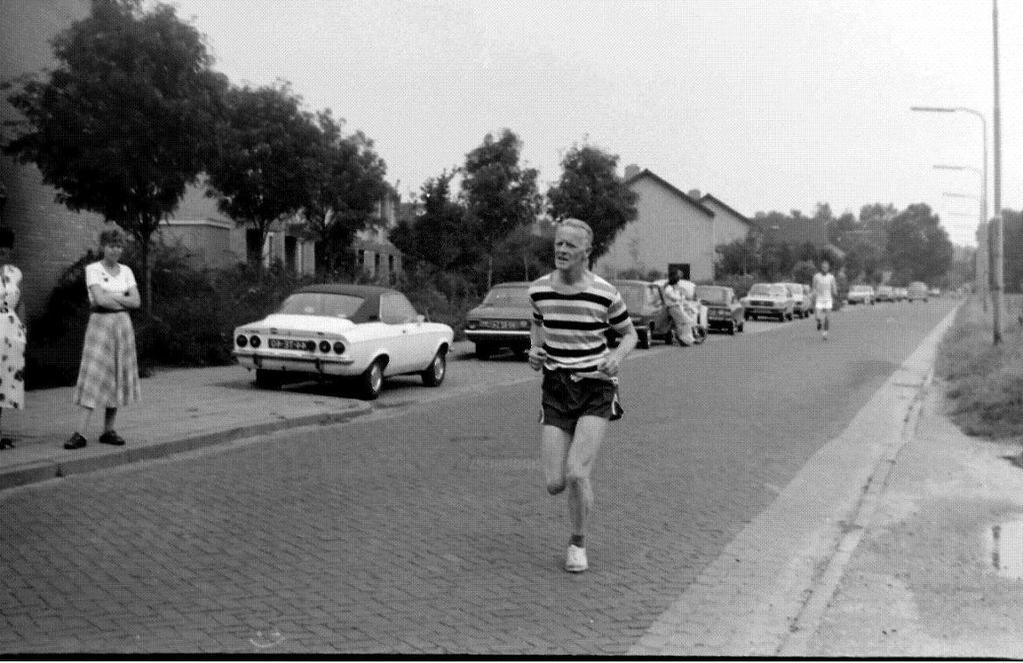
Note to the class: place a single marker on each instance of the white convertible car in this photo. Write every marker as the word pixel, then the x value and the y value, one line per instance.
pixel 357 331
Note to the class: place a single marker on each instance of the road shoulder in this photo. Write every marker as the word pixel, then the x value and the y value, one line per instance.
pixel 766 593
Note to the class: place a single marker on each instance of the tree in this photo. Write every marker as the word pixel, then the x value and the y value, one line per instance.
pixel 268 151
pixel 346 182
pixel 439 236
pixel 125 121
pixel 591 190
pixel 1012 250
pixel 500 195
pixel 918 247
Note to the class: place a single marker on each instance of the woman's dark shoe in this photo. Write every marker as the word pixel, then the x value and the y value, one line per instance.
pixel 6 443
pixel 76 442
pixel 110 437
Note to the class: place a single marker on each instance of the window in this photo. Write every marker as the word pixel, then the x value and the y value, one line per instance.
pixel 395 309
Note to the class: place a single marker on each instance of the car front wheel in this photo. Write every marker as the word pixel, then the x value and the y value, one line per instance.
pixel 371 382
pixel 438 368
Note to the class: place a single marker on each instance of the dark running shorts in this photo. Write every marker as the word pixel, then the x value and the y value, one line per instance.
pixel 564 400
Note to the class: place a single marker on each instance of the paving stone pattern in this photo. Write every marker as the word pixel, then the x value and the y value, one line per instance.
pixel 430 532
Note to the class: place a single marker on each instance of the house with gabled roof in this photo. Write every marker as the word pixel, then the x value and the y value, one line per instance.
pixel 729 225
pixel 671 229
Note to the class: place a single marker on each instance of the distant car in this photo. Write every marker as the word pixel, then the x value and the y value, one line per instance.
pixel 502 320
pixel 767 300
pixel 860 294
pixel 934 292
pixel 724 311
pixel 901 294
pixel 646 306
pixel 885 293
pixel 802 302
pixel 916 290
pixel 332 329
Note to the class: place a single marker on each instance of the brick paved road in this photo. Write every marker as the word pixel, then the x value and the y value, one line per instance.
pixel 425 528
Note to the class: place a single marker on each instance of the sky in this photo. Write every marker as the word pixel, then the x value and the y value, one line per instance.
pixel 767 105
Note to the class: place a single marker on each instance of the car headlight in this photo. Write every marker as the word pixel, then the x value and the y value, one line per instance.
pixel 241 341
pixel 339 347
pixel 254 341
pixel 324 346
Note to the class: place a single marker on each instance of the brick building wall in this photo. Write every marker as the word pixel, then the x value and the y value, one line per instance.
pixel 48 236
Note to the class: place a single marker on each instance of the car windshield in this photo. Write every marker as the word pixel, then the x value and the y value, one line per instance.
pixel 322 303
pixel 709 293
pixel 634 294
pixel 511 296
pixel 766 290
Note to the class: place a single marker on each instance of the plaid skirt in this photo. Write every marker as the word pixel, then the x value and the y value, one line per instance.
pixel 109 374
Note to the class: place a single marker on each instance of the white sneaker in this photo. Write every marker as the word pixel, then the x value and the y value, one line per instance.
pixel 575 561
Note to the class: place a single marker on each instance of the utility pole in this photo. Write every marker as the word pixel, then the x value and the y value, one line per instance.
pixel 997 276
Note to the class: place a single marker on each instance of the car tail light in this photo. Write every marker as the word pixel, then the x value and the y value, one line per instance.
pixel 324 346
pixel 472 324
pixel 241 341
pixel 523 324
pixel 254 341
pixel 339 347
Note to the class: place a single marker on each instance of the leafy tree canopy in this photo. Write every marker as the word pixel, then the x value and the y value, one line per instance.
pixel 124 122
pixel 267 151
pixel 345 184
pixel 590 189
pixel 499 193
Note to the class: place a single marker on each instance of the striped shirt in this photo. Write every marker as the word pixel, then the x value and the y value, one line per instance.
pixel 574 324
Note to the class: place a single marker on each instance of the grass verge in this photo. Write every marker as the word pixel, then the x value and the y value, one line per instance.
pixel 984 382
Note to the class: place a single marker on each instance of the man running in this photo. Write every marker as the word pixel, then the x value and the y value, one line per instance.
pixel 572 308
pixel 824 289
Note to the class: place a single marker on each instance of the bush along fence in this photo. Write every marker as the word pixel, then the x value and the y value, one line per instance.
pixel 195 310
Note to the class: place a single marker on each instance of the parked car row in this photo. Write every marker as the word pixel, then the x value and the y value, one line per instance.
pixel 866 294
pixel 365 334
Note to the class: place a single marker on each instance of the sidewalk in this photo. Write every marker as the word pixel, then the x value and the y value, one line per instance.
pixel 932 576
pixel 180 410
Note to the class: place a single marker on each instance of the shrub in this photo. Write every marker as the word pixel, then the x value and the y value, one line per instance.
pixel 984 382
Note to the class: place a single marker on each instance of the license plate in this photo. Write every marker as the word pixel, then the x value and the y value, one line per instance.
pixel 287 344
pixel 500 324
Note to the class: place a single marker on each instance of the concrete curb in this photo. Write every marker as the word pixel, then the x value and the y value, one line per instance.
pixel 52 467
pixel 766 592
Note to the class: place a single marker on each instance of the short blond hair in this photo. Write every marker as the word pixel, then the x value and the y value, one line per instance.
pixel 578 224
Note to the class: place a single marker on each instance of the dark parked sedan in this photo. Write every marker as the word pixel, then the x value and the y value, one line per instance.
pixel 502 320
pixel 724 312
pixel 646 307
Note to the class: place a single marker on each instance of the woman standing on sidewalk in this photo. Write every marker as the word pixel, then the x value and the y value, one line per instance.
pixel 12 331
pixel 109 374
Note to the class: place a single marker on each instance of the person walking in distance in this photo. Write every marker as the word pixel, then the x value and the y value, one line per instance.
pixel 824 291
pixel 572 310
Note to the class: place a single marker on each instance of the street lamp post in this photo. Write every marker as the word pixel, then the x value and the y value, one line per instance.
pixel 987 262
pixel 981 257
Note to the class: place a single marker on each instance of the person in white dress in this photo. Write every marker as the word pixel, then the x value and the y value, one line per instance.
pixel 12 331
